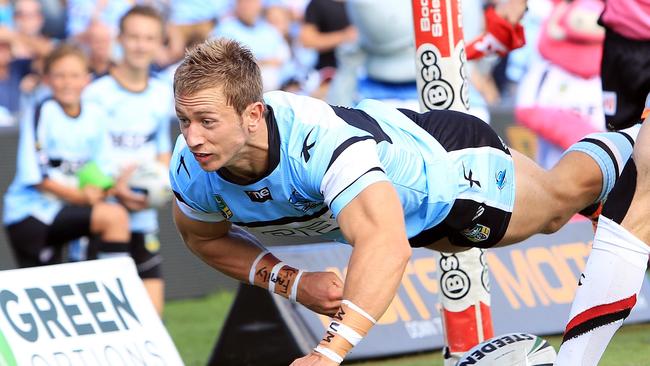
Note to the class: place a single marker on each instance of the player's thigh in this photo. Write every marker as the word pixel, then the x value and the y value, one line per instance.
pixel 70 223
pixel 536 205
pixel 28 239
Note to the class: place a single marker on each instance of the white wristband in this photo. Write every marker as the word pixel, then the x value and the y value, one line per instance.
pixel 251 274
pixel 294 288
pixel 359 310
pixel 346 332
pixel 273 278
pixel 329 353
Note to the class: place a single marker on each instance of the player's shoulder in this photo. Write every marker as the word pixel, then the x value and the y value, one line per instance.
pixel 101 87
pixel 159 86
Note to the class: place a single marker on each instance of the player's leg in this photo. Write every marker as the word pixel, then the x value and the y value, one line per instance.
pixel 546 200
pixel 145 251
pixel 617 264
pixel 28 240
pixel 110 222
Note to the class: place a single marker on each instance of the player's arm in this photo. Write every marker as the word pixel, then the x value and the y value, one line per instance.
pixel 86 196
pixel 238 254
pixel 373 223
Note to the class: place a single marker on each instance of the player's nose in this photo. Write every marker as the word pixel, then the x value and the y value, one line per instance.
pixel 194 135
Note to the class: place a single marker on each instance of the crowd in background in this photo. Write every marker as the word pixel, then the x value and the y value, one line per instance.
pixel 294 41
pixel 300 45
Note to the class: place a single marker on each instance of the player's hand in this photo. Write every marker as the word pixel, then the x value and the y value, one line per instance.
pixel 92 194
pixel 133 201
pixel 321 292
pixel 314 359
pixel 511 10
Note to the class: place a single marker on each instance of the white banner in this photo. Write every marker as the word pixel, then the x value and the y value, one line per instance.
pixel 86 313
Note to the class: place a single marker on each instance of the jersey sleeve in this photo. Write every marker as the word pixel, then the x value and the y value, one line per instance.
pixel 29 170
pixel 339 165
pixel 190 185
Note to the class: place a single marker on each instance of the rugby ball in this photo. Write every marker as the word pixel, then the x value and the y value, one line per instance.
pixel 152 179
pixel 512 349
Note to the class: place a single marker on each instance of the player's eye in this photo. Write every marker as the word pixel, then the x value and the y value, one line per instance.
pixel 207 122
pixel 184 122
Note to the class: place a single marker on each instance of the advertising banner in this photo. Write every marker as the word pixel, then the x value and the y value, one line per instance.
pixel 532 284
pixel 86 313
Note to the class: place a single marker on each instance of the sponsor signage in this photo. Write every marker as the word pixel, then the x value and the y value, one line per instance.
pixel 86 313
pixel 533 284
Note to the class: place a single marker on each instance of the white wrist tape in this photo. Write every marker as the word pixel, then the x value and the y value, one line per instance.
pixel 359 310
pixel 329 353
pixel 251 274
pixel 346 332
pixel 294 288
pixel 273 278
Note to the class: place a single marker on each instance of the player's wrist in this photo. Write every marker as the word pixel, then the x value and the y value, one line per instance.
pixel 268 272
pixel 346 329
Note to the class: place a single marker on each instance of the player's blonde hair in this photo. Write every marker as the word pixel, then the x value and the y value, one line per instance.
pixel 221 63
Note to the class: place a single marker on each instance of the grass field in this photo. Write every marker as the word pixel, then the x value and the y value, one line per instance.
pixel 195 324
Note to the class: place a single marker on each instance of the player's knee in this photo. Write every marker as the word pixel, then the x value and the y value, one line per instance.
pixel 111 215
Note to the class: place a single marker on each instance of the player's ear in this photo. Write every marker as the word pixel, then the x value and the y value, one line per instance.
pixel 255 113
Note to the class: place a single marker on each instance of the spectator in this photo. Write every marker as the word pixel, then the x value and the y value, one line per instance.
pixel 191 21
pixel 12 71
pixel 269 47
pixel 140 108
pixel 325 27
pixel 560 97
pixel 98 39
pixel 45 207
pixel 28 22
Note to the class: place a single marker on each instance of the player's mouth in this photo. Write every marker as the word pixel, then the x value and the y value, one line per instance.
pixel 201 158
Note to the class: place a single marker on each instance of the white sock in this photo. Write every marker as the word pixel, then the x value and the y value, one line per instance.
pixel 609 287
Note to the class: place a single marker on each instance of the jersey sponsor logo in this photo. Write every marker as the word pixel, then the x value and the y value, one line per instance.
pixel 468 177
pixel 259 196
pixel 306 147
pixel 315 228
pixel 181 164
pixel 500 178
pixel 477 234
pixel 130 141
pixel 302 204
pixel 223 207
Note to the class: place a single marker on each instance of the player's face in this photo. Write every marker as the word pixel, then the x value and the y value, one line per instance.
pixel 141 39
pixel 215 133
pixel 67 78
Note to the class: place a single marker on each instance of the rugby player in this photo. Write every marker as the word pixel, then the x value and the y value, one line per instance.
pixel 381 179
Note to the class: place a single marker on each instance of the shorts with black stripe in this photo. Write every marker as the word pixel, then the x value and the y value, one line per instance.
pixel 620 198
pixel 470 223
pixel 625 77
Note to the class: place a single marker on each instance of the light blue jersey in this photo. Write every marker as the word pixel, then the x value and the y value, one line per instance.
pixel 138 128
pixel 320 158
pixel 54 145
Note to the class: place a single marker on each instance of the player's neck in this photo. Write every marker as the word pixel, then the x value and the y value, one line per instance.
pixel 132 79
pixel 71 110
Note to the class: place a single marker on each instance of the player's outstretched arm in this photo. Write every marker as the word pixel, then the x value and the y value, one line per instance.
pixel 238 254
pixel 374 223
